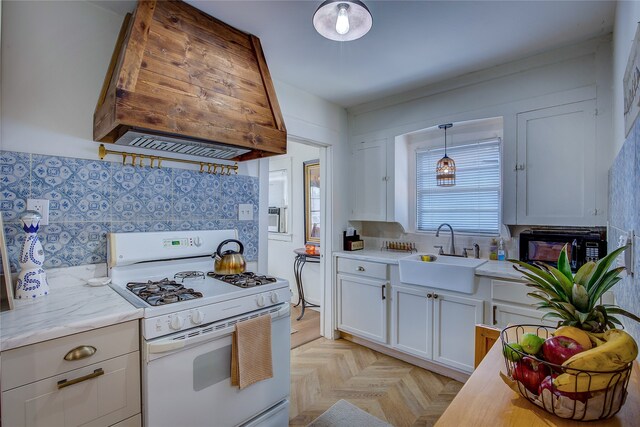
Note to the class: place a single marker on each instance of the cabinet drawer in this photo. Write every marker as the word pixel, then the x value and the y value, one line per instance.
pixel 362 268
pixel 35 362
pixel 505 315
pixel 135 421
pixel 516 292
pixel 101 400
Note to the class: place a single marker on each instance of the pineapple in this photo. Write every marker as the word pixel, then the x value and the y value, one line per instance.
pixel 574 300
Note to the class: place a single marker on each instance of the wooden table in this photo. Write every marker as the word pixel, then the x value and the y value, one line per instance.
pixel 487 401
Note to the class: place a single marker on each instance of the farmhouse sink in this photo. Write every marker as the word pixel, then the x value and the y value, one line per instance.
pixel 446 272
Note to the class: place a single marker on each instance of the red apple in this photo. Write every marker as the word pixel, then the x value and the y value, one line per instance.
pixel 558 349
pixel 530 372
pixel 548 384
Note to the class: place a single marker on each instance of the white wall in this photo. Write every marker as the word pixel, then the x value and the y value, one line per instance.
pixel 626 23
pixel 570 74
pixel 281 248
pixel 54 58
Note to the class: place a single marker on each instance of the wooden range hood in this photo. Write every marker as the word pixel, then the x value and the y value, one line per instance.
pixel 182 81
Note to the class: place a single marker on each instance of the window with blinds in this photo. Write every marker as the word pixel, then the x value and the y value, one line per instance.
pixel 473 204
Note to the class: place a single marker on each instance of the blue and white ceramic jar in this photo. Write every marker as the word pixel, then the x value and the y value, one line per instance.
pixel 32 280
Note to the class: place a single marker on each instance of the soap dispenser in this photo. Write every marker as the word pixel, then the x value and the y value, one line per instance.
pixel 502 255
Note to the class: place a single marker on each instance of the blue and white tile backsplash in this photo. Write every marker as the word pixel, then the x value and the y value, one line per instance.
pixel 89 198
pixel 624 216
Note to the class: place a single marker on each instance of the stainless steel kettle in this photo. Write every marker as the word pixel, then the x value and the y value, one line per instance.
pixel 229 262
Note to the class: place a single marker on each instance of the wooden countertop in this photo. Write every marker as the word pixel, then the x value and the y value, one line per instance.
pixel 487 401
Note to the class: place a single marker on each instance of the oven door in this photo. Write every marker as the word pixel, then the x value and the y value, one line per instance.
pixel 186 376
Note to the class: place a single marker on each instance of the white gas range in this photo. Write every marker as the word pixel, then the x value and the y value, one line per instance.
pixel 189 317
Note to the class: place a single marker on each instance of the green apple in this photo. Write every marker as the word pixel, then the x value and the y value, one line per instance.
pixel 510 354
pixel 531 343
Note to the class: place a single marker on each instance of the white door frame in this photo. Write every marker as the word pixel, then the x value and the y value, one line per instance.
pixel 326 231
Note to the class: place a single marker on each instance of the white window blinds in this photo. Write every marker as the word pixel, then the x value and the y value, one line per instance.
pixel 473 204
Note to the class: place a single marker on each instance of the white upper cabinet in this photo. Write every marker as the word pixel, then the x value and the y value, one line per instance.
pixel 557 173
pixel 379 181
pixel 370 179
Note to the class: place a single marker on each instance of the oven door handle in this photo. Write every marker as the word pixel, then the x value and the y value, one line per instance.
pixel 164 346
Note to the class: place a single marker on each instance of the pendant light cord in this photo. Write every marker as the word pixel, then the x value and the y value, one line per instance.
pixel 445 142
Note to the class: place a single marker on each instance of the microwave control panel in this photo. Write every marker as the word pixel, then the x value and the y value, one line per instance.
pixel 592 252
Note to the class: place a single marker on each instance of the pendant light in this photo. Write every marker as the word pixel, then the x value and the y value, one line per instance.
pixel 342 20
pixel 446 167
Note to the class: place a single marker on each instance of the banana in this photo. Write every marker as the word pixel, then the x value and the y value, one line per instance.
pixel 587 382
pixel 618 350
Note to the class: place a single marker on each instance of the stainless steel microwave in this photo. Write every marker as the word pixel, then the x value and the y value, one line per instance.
pixel 277 220
pixel 544 245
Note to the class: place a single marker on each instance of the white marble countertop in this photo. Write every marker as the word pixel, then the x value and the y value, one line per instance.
pixel 373 255
pixel 501 269
pixel 71 307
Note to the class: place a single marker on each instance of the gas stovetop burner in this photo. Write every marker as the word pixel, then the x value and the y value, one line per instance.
pixel 243 280
pixel 182 275
pixel 162 292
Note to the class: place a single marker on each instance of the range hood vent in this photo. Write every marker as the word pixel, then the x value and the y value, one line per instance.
pixel 181 81
pixel 177 145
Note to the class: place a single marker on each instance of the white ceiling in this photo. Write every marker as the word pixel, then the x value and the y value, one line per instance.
pixel 411 44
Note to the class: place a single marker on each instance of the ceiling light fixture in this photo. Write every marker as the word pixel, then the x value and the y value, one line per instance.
pixel 446 167
pixel 342 20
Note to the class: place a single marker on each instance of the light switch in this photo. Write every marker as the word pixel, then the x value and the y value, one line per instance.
pixel 42 207
pixel 245 212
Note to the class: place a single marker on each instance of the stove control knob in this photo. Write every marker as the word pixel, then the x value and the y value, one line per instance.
pixel 260 300
pixel 197 317
pixel 176 323
pixel 274 298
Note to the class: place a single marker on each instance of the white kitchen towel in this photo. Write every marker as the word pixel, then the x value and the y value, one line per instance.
pixel 251 359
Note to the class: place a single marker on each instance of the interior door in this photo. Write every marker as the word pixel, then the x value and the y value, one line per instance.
pixel 556 165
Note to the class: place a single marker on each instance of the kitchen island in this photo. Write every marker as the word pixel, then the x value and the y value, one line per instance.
pixel 486 401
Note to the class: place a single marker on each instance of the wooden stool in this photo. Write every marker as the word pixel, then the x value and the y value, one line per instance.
pixel 486 336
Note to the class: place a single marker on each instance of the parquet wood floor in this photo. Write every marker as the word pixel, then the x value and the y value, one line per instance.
pixel 308 328
pixel 325 371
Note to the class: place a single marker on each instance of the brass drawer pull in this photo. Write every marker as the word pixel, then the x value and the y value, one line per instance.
pixel 80 353
pixel 67 383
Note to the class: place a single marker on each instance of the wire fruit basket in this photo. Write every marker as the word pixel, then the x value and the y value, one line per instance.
pixel 606 390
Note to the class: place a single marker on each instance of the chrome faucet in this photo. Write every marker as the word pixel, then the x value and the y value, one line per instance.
pixel 452 249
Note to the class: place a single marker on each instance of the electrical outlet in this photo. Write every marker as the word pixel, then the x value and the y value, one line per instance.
pixel 245 212
pixel 42 207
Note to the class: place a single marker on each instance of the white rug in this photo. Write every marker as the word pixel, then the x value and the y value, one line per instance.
pixel 343 413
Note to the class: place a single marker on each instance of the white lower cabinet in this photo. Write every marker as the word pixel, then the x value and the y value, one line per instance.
pixel 362 307
pixel 513 306
pixel 434 325
pixel 89 379
pixel 412 320
pixel 104 399
pixel 454 323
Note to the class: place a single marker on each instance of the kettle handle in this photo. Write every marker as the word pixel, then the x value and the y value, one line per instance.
pixel 240 246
